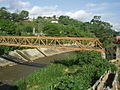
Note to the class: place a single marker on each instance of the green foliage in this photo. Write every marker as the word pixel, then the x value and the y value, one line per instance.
pixel 4 14
pixel 51 29
pixel 68 61
pixel 103 30
pixel 7 26
pixel 119 78
pixel 11 25
pixel 15 17
pixel 113 68
pixel 76 72
pixel 24 14
pixel 65 84
pixel 18 24
pixel 7 49
pixel 91 67
pixel 43 78
pixel 24 28
pixel 71 83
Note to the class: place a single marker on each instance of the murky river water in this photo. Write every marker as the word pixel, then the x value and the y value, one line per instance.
pixel 10 74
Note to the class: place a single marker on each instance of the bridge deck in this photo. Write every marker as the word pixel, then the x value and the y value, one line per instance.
pixel 70 43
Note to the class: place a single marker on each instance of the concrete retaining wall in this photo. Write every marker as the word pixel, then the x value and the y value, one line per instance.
pixel 115 82
pixel 100 84
pixel 31 54
pixel 4 62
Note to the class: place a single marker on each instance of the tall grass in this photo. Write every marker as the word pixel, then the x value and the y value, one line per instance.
pixel 75 72
pixel 42 78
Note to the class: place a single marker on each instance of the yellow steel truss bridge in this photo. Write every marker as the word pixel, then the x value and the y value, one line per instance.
pixel 69 43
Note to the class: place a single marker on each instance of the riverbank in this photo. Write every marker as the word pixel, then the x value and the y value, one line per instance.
pixel 75 72
pixel 9 75
pixel 28 55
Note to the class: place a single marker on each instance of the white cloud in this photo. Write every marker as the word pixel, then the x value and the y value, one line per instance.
pixel 49 10
pixel 42 11
pixel 22 4
pixel 104 4
pixel 2 0
pixel 52 10
pixel 116 26
pixel 97 6
pixel 90 5
pixel 91 9
pixel 16 4
pixel 80 15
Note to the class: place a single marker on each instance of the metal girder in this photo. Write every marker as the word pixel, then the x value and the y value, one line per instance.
pixel 70 43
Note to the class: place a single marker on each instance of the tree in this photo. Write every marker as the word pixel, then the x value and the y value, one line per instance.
pixel 103 30
pixel 3 9
pixel 64 17
pixel 96 17
pixel 15 17
pixel 24 15
pixel 39 17
pixel 54 17
pixel 4 14
pixel 7 26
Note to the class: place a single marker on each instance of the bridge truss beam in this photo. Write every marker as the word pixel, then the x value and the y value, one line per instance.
pixel 70 43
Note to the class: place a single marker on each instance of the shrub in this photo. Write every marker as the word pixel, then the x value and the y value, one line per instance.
pixel 43 77
pixel 76 72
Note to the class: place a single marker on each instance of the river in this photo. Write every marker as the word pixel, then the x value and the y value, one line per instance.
pixel 10 74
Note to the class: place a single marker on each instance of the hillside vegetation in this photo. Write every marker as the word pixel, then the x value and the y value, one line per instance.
pixel 77 72
pixel 19 24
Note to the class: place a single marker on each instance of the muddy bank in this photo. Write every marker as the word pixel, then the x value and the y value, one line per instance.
pixel 11 74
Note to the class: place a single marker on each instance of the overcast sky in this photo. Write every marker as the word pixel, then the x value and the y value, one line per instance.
pixel 83 10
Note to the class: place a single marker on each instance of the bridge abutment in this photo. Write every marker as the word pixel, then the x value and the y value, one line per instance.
pixel 103 55
pixel 118 51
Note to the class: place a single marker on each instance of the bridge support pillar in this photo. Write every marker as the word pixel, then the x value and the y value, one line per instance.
pixel 103 55
pixel 118 52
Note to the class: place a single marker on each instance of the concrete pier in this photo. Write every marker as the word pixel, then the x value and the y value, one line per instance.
pixel 103 55
pixel 118 51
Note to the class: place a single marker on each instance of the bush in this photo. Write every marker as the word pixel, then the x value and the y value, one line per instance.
pixel 42 78
pixel 71 83
pixel 91 64
pixel 68 61
pixel 119 78
pixel 7 49
pixel 76 72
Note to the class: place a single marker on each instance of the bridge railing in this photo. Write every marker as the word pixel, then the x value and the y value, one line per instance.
pixel 73 43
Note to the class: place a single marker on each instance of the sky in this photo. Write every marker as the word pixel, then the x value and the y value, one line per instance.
pixel 82 10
